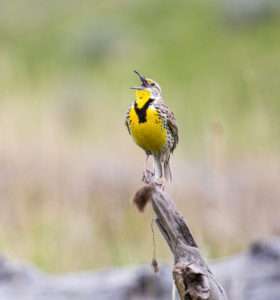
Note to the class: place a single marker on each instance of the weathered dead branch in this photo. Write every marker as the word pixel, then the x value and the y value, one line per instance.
pixel 191 274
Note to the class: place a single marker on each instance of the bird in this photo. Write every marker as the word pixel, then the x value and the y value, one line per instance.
pixel 153 127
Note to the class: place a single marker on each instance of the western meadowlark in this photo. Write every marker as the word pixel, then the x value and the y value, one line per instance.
pixel 153 127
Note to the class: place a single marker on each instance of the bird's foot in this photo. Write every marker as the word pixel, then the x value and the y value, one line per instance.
pixel 148 176
pixel 160 182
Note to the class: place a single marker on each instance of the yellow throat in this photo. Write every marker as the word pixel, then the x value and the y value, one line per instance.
pixel 142 97
pixel 146 125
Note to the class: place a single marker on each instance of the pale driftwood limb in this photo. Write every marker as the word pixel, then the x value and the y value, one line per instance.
pixel 192 276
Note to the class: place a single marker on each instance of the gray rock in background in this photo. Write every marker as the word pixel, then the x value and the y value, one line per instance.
pixel 252 275
pixel 23 282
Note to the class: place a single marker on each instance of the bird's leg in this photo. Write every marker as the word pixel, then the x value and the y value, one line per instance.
pixel 159 180
pixel 147 174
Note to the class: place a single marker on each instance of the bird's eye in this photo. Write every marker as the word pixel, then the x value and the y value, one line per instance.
pixel 152 84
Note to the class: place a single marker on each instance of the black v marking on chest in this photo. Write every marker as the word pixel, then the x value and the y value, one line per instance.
pixel 142 112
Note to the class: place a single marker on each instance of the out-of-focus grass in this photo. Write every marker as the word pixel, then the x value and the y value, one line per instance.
pixel 209 70
pixel 68 167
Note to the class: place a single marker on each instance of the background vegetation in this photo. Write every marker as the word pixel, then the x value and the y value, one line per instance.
pixel 68 168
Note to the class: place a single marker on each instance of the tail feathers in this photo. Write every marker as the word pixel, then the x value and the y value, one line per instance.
pixel 167 171
pixel 159 171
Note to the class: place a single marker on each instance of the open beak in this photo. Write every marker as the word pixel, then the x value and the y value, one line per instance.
pixel 137 88
pixel 143 80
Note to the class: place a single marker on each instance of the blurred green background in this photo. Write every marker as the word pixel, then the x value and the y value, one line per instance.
pixel 68 168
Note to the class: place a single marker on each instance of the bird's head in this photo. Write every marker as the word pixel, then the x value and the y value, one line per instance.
pixel 149 89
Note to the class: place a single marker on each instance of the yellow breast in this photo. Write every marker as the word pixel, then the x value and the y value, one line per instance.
pixel 149 135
